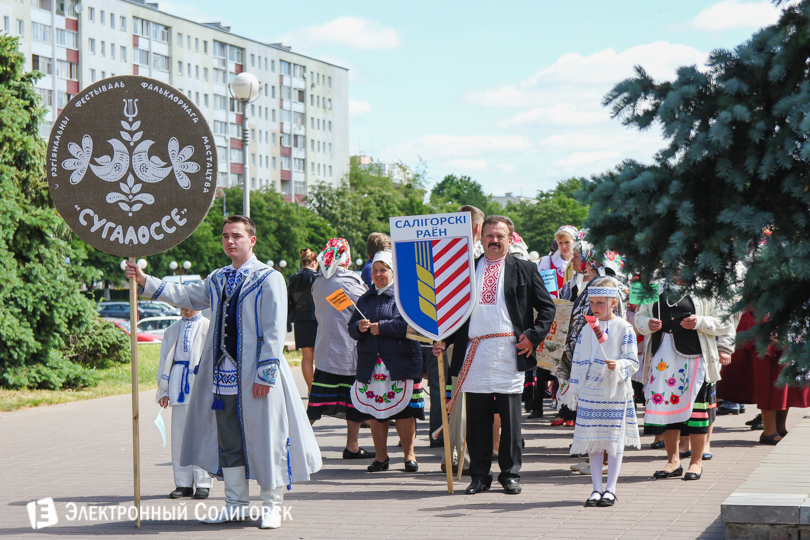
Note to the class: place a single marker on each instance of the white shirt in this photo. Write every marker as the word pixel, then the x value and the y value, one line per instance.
pixel 494 367
pixel 226 372
pixel 182 353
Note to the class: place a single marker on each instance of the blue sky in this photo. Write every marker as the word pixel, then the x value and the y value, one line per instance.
pixel 505 92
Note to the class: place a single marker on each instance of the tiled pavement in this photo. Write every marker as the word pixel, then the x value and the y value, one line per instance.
pixel 81 453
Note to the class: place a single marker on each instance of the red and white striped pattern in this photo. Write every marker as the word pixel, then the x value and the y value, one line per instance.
pixel 451 275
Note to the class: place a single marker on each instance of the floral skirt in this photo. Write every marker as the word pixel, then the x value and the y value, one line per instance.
pixel 674 384
pixel 384 398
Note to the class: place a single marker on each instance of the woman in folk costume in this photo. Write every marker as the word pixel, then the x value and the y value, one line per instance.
pixel 559 260
pixel 245 418
pixel 180 353
pixel 335 350
pixel 388 385
pixel 681 367
pixel 605 357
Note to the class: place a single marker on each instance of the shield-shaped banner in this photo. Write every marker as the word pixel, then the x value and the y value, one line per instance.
pixel 434 271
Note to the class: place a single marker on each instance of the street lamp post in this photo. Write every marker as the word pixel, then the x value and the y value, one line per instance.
pixel 245 88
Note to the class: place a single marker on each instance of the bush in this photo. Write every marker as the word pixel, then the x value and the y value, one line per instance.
pixel 102 346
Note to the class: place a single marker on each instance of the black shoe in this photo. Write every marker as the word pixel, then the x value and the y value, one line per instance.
pixel 755 420
pixel 609 500
pixel 181 492
pixel 201 493
pixel 590 503
pixel 377 466
pixel 360 454
pixel 693 475
pixel 665 474
pixel 364 424
pixel 512 486
pixel 657 445
pixel 476 486
pixel 535 414
pixel 707 456
pixel 686 454
pixel 411 466
pixel 439 443
pixel 758 426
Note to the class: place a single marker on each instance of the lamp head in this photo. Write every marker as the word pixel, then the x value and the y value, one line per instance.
pixel 245 86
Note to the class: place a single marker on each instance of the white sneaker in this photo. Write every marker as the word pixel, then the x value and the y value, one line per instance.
pixel 271 517
pixel 587 470
pixel 578 466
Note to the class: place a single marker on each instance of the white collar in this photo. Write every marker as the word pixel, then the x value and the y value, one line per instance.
pixel 244 269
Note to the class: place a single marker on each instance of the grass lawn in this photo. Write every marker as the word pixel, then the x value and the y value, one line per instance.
pixel 111 382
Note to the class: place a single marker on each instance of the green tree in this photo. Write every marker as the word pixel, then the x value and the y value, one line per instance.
pixel 537 221
pixel 736 163
pixel 454 191
pixel 365 200
pixel 42 313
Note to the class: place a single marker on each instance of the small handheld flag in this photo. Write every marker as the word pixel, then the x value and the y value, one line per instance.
pixel 597 328
pixel 340 301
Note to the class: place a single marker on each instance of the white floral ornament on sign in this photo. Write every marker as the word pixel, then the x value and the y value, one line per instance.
pixel 148 169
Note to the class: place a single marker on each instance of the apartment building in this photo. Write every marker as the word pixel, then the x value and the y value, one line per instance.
pixel 299 123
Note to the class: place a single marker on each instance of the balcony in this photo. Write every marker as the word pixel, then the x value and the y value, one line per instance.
pixel 236 168
pixel 286 175
pixel 285 151
pixel 236 143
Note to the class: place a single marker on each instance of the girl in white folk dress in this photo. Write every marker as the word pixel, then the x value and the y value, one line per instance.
pixel 600 389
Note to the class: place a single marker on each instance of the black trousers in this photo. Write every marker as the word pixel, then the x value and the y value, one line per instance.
pixel 229 434
pixel 481 409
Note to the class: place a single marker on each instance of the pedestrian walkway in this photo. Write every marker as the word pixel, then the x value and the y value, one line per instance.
pixel 80 453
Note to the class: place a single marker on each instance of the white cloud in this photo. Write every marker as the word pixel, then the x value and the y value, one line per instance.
pixel 358 107
pixel 352 32
pixel 730 14
pixel 467 165
pixel 507 168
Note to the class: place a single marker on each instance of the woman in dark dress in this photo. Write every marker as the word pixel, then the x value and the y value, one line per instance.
pixel 301 311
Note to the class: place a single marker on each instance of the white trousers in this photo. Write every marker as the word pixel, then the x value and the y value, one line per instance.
pixel 189 475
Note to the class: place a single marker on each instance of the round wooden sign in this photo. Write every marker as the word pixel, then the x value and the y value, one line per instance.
pixel 132 166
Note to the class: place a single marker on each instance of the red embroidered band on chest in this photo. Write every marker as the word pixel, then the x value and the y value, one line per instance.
pixel 489 287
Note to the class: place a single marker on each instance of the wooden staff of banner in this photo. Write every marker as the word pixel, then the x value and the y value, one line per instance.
pixel 133 340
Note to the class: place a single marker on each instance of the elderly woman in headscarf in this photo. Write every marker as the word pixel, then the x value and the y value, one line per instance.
pixel 388 385
pixel 335 351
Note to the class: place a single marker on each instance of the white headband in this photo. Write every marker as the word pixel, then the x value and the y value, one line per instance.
pixel 612 292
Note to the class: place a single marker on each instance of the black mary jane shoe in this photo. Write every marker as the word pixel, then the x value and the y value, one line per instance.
pixel 512 486
pixel 201 493
pixel 377 466
pixel 592 502
pixel 181 492
pixel 664 474
pixel 476 486
pixel 657 445
pixel 411 466
pixel 693 475
pixel 607 500
pixel 360 454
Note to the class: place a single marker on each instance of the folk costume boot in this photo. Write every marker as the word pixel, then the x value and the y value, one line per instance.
pixel 271 508
pixel 237 501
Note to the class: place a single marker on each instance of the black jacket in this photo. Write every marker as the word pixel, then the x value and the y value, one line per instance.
pixel 402 357
pixel 524 292
pixel 301 307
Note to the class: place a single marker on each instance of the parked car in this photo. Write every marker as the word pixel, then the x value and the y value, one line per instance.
pixel 120 310
pixel 186 278
pixel 157 325
pixel 143 337
pixel 165 308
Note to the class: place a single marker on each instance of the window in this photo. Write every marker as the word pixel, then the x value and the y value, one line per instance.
pixel 330 169
pixel 189 94
pixel 312 145
pixel 312 122
pixel 299 188
pixel 103 48
pixel 112 21
pixel 103 20
pixel 205 47
pixel 274 92
pixel 237 155
pixel 123 25
pixel 260 61
pixel 197 72
pixel 274 115
pixel 252 109
pixel 253 134
pixel 67 70
pixel 62 99
pixel 140 57
pixel 40 32
pixel 160 33
pixel 299 96
pixel 46 95
pixel 286 140
pixel 299 71
pixel 91 45
pixel 319 123
pixel 179 67
pixel 6 24
pixel 286 163
pixel 299 141
pixel 235 106
pixel 234 54
pixel 220 128
pixel 273 66
pixel 311 99
pixel 220 76
pixel 91 14
pixel 222 154
pixel 330 148
pixel 123 54
pixel 231 76
pixel 319 168
pixel 20 28
pixel 179 39
pixel 140 27
pixel 197 98
pixel 205 97
pixel 330 82
pixel 205 74
pixel 265 63
pixel 103 74
pixel 285 67
pixel 68 39
pixel 236 130
pixel 286 116
pixel 267 161
pixel 92 75
pixel 220 102
pixel 197 44
pixel 274 140
pixel 319 146
pixel 189 69
pixel 252 160
pixel 265 90
pixel 188 42
pixel 220 54
pixel 112 51
pixel 42 63
pixel 160 62
pixel 312 168
pixel 274 162
pixel 330 104
pixel 286 92
pixel 252 60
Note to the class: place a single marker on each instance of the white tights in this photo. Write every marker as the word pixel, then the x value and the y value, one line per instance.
pixel 614 466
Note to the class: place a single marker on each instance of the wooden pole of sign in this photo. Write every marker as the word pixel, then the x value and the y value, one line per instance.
pixel 446 426
pixel 136 458
pixel 461 459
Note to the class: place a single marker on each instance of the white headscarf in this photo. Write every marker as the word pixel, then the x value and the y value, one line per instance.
pixel 387 258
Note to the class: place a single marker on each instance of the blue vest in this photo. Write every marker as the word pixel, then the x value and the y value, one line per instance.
pixel 231 335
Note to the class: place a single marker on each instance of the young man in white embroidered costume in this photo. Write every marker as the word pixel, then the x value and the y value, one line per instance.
pixel 180 353
pixel 493 349
pixel 600 388
pixel 245 418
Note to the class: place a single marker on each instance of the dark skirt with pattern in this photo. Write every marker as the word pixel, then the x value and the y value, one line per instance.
pixel 704 413
pixel 415 408
pixel 331 396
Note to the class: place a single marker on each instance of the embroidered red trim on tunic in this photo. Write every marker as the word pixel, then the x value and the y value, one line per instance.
pixel 489 287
